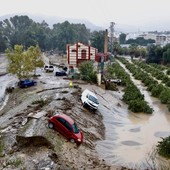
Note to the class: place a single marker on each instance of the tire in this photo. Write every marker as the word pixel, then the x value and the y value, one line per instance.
pixel 51 125
pixel 84 104
pixel 72 140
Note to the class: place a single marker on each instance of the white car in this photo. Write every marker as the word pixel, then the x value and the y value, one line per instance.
pixel 88 98
pixel 49 68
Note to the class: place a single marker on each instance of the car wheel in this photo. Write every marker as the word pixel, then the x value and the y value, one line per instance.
pixel 84 104
pixel 72 140
pixel 51 125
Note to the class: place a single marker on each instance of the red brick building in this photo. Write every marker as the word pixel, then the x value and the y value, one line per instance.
pixel 79 52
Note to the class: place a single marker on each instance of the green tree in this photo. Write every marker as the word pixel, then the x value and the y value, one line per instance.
pixel 132 50
pixel 166 57
pixel 116 48
pixel 15 28
pixel 155 54
pixel 97 40
pixel 22 63
pixel 3 42
pixel 87 71
pixel 163 147
pixel 34 54
pixel 81 33
pixel 143 52
pixel 122 38
pixel 140 41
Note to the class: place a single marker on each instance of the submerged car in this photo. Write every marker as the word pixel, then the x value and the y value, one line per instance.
pixel 27 83
pixel 88 98
pixel 67 127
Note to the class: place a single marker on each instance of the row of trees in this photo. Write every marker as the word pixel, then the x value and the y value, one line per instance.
pixel 139 41
pixel 24 31
pixel 158 54
pixel 132 95
pixel 152 53
pixel 133 50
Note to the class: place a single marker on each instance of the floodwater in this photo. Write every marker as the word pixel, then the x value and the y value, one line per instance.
pixel 131 138
pixel 6 80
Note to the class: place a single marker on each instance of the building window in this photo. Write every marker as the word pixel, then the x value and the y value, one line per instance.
pixel 83 54
pixel 73 50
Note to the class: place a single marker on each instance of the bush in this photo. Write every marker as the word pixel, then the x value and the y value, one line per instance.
pixel 87 71
pixel 139 106
pixel 165 96
pixel 40 102
pixel 14 162
pixel 168 72
pixel 157 90
pixel 132 93
pixel 1 147
pixel 163 147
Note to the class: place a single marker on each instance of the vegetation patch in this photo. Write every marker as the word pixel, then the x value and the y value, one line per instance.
pixel 14 162
pixel 163 147
pixel 41 102
pixel 1 147
pixel 87 72
pixel 132 95
pixel 64 91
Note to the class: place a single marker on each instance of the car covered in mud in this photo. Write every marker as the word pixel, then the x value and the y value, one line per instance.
pixel 88 98
pixel 67 127
pixel 26 83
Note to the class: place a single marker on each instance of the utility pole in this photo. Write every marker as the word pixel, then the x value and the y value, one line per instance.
pixel 112 29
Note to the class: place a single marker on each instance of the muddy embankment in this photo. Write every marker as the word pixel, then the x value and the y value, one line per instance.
pixel 27 143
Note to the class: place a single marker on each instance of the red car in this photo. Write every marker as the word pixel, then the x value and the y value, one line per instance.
pixel 67 127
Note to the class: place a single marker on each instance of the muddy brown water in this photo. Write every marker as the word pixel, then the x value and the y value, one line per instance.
pixel 131 137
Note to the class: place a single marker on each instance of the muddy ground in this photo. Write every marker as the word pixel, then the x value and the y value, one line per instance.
pixel 27 143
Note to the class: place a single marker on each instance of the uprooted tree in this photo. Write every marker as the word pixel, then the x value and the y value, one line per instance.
pixel 23 62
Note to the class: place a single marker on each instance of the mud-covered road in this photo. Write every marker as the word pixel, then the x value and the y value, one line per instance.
pixel 27 143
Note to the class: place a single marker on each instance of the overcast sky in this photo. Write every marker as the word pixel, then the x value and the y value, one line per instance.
pixel 99 12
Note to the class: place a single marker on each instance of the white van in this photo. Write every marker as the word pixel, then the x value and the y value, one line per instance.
pixel 90 99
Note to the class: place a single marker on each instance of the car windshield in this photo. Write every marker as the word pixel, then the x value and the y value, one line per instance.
pixel 75 128
pixel 93 99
